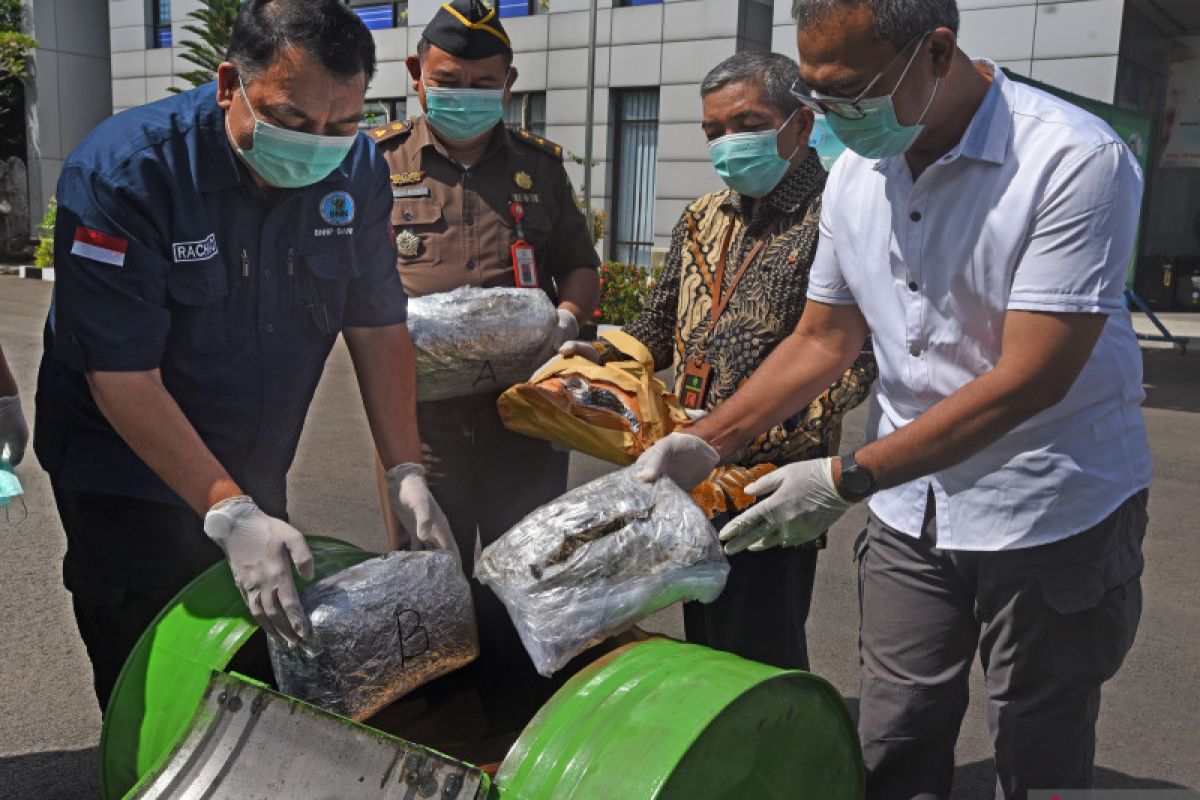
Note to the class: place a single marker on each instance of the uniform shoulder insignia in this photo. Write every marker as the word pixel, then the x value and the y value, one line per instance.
pixel 537 142
pixel 389 131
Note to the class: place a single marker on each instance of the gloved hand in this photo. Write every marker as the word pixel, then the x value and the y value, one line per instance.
pixel 578 347
pixel 258 547
pixel 568 328
pixel 14 433
pixel 695 413
pixel 682 457
pixel 803 504
pixel 417 510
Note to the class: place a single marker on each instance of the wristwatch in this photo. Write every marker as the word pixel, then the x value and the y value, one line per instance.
pixel 857 482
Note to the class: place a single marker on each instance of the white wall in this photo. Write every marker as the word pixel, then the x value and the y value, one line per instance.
pixel 69 89
pixel 1071 44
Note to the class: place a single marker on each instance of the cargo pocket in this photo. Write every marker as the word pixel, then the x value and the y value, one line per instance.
pixel 1093 613
pixel 200 308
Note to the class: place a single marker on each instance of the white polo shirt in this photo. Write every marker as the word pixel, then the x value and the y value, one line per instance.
pixel 1036 209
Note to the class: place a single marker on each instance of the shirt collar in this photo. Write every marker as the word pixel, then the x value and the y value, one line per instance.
pixel 218 167
pixel 986 137
pixel 422 134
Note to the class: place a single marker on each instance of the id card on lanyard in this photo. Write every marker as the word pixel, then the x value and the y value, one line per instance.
pixel 523 260
pixel 697 373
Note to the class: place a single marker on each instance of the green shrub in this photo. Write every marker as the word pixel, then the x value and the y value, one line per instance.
pixel 624 289
pixel 43 256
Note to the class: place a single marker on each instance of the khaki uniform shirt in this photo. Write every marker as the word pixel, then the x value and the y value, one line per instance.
pixel 453 225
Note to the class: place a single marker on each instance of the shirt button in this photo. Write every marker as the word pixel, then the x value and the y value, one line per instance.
pixel 471 263
pixel 912 286
pixel 270 327
pixel 914 351
pixel 915 216
pixel 407 215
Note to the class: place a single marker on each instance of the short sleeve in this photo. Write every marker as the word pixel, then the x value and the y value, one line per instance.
pixel 826 284
pixel 110 288
pixel 376 297
pixel 570 245
pixel 1082 237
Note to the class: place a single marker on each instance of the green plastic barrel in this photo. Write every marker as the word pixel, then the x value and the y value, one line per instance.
pixel 663 720
pixel 164 678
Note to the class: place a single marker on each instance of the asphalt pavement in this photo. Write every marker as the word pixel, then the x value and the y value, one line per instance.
pixel 1149 732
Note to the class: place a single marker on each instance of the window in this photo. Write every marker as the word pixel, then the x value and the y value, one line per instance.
pixel 160 23
pixel 382 111
pixel 635 151
pixel 628 3
pixel 528 111
pixel 523 8
pixel 379 16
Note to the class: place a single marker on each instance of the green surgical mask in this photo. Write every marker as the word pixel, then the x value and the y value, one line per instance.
pixel 461 115
pixel 750 163
pixel 288 159
pixel 879 134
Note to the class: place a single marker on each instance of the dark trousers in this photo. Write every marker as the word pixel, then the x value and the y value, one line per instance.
pixel 125 560
pixel 761 613
pixel 486 478
pixel 1051 624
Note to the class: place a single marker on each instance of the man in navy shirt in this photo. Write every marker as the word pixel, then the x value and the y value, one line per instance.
pixel 209 249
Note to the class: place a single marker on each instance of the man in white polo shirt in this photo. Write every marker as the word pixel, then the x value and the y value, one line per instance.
pixel 979 230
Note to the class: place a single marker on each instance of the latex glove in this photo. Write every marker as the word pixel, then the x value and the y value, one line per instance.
pixel 568 328
pixel 803 503
pixel 682 457
pixel 417 510
pixel 578 347
pixel 695 413
pixel 258 547
pixel 14 432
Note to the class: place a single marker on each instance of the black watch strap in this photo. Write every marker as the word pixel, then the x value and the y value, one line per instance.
pixel 857 482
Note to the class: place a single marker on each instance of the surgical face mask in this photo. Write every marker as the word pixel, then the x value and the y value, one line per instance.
pixel 463 114
pixel 288 159
pixel 827 145
pixel 750 163
pixel 877 133
pixel 11 494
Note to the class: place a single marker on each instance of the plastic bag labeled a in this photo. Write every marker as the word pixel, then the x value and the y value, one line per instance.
pixel 600 559
pixel 382 628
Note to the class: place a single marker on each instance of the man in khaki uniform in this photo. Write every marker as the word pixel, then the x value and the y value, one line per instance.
pixel 466 189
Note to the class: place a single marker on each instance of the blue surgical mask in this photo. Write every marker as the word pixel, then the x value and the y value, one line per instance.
pixel 827 145
pixel 11 493
pixel 288 159
pixel 879 133
pixel 461 115
pixel 750 163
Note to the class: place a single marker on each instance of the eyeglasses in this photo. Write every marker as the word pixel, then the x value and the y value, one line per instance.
pixel 851 108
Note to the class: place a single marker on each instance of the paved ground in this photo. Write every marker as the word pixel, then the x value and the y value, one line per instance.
pixel 1149 729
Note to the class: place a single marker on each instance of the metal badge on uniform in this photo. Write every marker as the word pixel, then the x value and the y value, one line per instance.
pixel 696 376
pixel 407 178
pixel 413 191
pixel 523 179
pixel 408 244
pixel 524 262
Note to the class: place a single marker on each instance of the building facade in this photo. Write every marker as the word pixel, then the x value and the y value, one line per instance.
pixel 649 153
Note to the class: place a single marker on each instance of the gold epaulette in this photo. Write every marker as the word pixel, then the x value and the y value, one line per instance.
pixel 389 131
pixel 533 140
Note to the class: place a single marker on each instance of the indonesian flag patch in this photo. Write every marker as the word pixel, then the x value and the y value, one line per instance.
pixel 99 246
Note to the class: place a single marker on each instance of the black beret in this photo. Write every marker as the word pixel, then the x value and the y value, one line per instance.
pixel 468 29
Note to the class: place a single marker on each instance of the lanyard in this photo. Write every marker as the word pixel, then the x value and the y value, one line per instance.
pixel 722 298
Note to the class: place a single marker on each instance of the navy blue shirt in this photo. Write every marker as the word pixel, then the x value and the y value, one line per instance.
pixel 168 255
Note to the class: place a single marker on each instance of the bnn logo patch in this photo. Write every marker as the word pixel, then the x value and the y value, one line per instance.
pixel 202 250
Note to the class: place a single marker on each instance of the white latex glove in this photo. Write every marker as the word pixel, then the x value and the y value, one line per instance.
pixel 258 547
pixel 695 413
pixel 578 347
pixel 14 432
pixel 417 510
pixel 682 457
pixel 568 328
pixel 803 504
